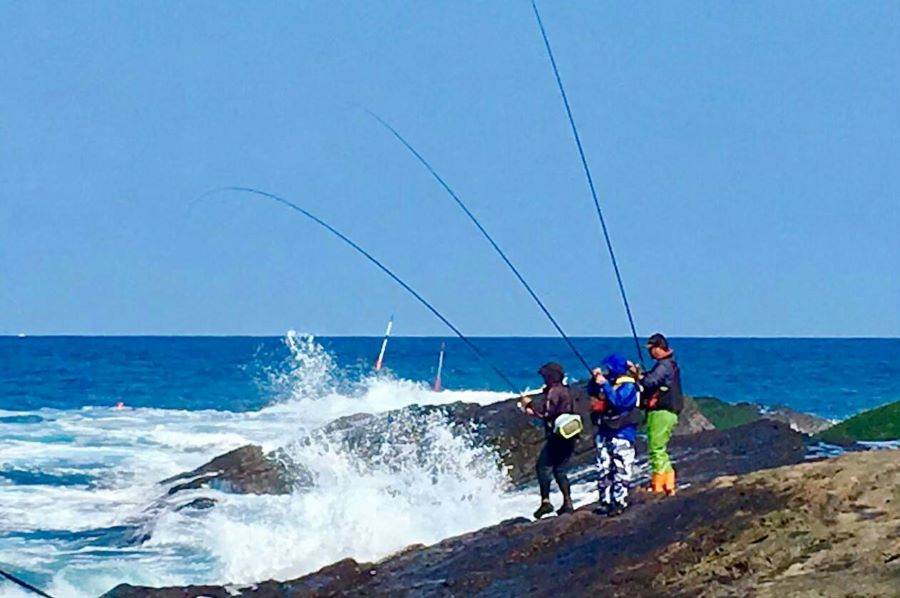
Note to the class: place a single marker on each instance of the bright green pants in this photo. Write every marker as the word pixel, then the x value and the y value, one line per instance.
pixel 660 424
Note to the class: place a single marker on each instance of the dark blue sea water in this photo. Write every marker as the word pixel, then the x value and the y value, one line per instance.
pixel 81 509
pixel 833 378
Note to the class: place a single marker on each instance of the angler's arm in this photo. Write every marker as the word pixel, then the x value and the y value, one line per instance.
pixel 653 380
pixel 607 391
pixel 624 397
pixel 536 410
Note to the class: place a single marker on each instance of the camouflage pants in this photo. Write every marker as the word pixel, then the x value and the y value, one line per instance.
pixel 615 462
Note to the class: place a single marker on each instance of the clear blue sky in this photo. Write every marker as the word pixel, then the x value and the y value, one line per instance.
pixel 747 155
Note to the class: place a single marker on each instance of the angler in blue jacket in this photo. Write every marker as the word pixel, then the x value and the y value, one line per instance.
pixel 616 417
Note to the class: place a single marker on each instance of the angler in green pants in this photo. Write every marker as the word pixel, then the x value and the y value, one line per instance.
pixel 660 423
pixel 662 398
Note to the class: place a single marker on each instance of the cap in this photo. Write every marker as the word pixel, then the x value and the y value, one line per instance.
pixel 657 340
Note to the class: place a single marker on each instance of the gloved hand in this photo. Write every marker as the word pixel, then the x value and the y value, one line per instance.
pixel 634 370
pixel 525 404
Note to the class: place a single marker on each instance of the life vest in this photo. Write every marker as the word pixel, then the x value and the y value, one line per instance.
pixel 668 397
pixel 629 380
pixel 618 421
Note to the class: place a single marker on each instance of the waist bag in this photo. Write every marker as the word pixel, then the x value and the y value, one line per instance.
pixel 568 425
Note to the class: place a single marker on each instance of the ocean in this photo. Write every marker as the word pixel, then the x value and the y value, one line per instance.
pixel 81 511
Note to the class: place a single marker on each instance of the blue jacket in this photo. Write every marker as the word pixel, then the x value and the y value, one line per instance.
pixel 621 399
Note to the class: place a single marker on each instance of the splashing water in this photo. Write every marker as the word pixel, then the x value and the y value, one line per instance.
pixel 410 477
pixel 311 372
pixel 420 480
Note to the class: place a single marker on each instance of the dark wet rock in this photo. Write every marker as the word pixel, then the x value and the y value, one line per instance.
pixel 245 470
pixel 691 420
pixel 804 423
pixel 517 439
pixel 761 444
pixel 808 529
pixel 129 591
pixel 198 504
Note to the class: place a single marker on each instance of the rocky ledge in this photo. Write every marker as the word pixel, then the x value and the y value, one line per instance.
pixel 812 528
pixel 829 528
pixel 516 438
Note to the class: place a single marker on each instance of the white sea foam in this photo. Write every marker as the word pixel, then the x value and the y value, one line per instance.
pixel 422 481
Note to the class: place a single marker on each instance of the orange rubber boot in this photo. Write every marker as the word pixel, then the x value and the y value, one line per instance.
pixel 669 485
pixel 657 482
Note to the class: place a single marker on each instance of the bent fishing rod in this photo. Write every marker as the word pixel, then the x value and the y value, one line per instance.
pixel 590 180
pixel 484 232
pixel 23 584
pixel 381 267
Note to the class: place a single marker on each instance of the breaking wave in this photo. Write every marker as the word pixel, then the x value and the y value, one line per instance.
pixel 78 488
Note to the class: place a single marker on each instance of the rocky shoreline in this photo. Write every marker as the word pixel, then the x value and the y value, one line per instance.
pixel 670 546
pixel 824 528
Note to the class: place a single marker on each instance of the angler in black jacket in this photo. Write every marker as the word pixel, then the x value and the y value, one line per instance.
pixel 557 450
pixel 662 398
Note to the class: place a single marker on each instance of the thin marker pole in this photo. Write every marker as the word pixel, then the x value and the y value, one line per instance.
pixel 387 334
pixel 437 379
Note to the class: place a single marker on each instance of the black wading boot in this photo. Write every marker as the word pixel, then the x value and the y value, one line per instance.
pixel 567 507
pixel 545 509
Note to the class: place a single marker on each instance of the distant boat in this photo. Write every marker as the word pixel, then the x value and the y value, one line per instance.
pixel 22 335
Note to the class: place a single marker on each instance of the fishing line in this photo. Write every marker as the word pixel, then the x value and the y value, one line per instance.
pixel 587 172
pixel 24 584
pixel 383 268
pixel 484 232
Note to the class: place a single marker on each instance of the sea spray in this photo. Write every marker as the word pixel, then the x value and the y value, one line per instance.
pixel 420 479
pixel 412 476
pixel 423 480
pixel 310 372
pixel 309 385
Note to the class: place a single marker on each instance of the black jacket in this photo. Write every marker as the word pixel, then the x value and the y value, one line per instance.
pixel 663 382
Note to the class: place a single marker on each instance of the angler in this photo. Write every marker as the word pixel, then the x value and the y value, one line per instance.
pixel 561 428
pixel 616 417
pixel 662 398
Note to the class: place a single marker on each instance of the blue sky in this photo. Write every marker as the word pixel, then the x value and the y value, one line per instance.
pixel 747 156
